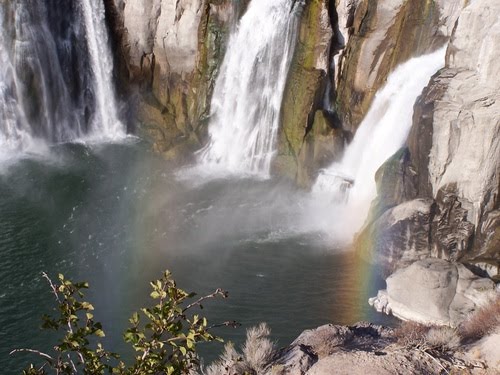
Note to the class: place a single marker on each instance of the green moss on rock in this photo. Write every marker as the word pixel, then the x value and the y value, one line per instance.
pixel 304 89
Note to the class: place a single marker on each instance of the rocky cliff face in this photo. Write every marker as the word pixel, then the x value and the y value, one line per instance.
pixel 384 34
pixel 451 160
pixel 171 51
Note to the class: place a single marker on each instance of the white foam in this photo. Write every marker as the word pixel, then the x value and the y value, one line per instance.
pixel 382 132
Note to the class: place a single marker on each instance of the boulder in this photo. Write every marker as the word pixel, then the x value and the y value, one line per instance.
pixel 293 360
pixel 361 348
pixel 326 339
pixel 434 291
pixel 380 363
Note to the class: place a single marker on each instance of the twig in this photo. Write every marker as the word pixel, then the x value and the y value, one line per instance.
pixel 229 323
pixel 70 328
pixel 200 300
pixel 52 286
pixel 434 359
pixel 73 363
pixel 41 354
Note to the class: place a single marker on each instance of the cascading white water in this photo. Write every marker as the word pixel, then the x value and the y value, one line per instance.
pixel 14 132
pixel 106 125
pixel 31 83
pixel 248 93
pixel 382 132
pixel 56 76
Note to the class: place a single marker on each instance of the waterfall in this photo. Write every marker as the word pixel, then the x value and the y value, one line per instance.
pixel 55 81
pixel 249 90
pixel 382 132
pixel 106 124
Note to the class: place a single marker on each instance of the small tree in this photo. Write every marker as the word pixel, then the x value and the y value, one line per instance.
pixel 165 343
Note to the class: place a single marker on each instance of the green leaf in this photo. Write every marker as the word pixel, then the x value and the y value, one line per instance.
pixel 87 306
pixel 155 295
pixel 134 319
pixel 99 333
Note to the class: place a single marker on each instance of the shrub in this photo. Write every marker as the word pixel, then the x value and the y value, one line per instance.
pixel 258 352
pixel 165 344
pixel 411 334
pixel 482 322
pixel 442 338
pixel 258 349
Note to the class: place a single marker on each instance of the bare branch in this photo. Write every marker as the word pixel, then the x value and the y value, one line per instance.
pixel 72 363
pixel 52 286
pixel 229 323
pixel 217 292
pixel 41 354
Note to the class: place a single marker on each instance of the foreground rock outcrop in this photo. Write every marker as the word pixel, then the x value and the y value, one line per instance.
pixel 362 348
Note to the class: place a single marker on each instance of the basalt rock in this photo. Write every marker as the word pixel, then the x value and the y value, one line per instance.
pixel 359 349
pixel 400 235
pixel 367 40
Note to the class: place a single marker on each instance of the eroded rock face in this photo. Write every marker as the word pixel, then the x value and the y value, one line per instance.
pixel 324 142
pixel 434 291
pixel 345 53
pixel 465 152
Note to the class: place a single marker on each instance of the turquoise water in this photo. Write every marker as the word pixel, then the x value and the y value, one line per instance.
pixel 116 215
